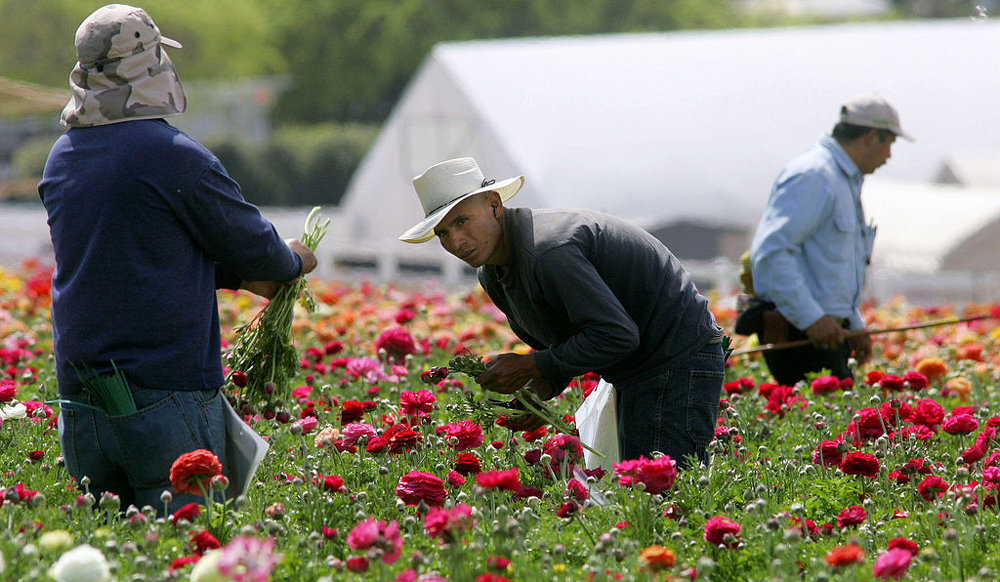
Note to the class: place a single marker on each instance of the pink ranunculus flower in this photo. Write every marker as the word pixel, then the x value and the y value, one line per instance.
pixel 448 524
pixel 467 435
pixel 716 529
pixel 892 564
pixel 353 432
pixel 419 403
pixel 960 424
pixel 417 486
pixel 248 559
pixel 379 535
pixel 657 475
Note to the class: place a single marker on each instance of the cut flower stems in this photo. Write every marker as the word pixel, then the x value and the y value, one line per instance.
pixel 472 366
pixel 263 359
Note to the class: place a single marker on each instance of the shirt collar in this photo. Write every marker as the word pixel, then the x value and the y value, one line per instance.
pixel 845 162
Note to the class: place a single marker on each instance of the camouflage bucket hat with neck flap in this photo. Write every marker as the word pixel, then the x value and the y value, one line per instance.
pixel 122 72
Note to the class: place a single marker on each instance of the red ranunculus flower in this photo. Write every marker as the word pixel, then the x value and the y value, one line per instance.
pixel 860 464
pixel 928 413
pixel 334 483
pixel 904 544
pixel 188 512
pixel 891 382
pixel 455 479
pixel 716 529
pixel 401 438
pixel 932 487
pixel 7 390
pixel 577 490
pixel 506 479
pixel 397 344
pixel 825 384
pixel 960 424
pixel 203 541
pixel 467 464
pixel 351 411
pixel 916 380
pixel 851 516
pixel 569 508
pixel 828 453
pixel 417 486
pixel 192 472
pixel 182 561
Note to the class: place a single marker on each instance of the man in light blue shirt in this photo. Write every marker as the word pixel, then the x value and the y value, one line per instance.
pixel 813 244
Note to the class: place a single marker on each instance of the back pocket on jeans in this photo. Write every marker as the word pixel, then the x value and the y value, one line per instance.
pixel 704 390
pixel 151 439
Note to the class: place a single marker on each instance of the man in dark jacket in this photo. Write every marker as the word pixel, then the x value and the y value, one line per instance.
pixel 589 292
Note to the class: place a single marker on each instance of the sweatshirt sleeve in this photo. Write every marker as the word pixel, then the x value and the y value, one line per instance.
pixel 232 232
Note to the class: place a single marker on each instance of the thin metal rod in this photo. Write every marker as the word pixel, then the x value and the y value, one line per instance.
pixel 860 332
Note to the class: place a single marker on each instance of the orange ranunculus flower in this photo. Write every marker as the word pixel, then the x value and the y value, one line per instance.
pixel 192 472
pixel 933 368
pixel 845 555
pixel 656 558
pixel 960 386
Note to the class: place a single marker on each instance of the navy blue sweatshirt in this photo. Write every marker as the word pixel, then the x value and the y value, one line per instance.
pixel 146 224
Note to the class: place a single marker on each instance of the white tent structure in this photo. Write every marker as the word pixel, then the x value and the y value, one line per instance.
pixel 678 129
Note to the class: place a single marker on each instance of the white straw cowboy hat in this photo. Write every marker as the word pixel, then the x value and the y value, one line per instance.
pixel 446 184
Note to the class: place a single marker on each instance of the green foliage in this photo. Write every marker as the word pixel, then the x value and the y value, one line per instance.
pixel 221 38
pixel 358 55
pixel 300 166
pixel 29 159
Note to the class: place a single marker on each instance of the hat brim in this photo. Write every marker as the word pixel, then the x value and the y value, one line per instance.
pixel 423 231
pixel 170 42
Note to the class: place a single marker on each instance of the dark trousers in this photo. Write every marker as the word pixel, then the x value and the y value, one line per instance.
pixel 791 365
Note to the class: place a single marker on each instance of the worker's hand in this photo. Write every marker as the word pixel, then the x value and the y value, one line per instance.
pixel 861 348
pixel 826 333
pixel 507 373
pixel 519 418
pixel 307 256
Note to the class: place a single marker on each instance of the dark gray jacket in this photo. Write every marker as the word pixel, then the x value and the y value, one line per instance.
pixel 592 292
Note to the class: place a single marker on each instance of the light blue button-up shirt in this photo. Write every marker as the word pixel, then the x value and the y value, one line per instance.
pixel 812 245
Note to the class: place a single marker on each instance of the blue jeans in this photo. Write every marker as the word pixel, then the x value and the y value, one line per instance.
pixel 131 455
pixel 673 412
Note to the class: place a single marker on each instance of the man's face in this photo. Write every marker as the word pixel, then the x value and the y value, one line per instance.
pixel 472 230
pixel 876 153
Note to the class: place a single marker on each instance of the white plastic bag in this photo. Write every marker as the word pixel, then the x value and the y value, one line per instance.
pixel 245 450
pixel 598 425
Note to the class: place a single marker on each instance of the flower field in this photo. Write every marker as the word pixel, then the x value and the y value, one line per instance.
pixel 381 467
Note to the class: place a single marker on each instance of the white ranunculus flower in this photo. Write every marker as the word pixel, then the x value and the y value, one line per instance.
pixel 207 568
pixel 55 540
pixel 14 410
pixel 84 563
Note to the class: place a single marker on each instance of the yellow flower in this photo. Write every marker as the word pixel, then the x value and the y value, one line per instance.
pixel 559 568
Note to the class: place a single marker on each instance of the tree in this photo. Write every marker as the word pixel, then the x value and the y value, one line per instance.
pixel 351 59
